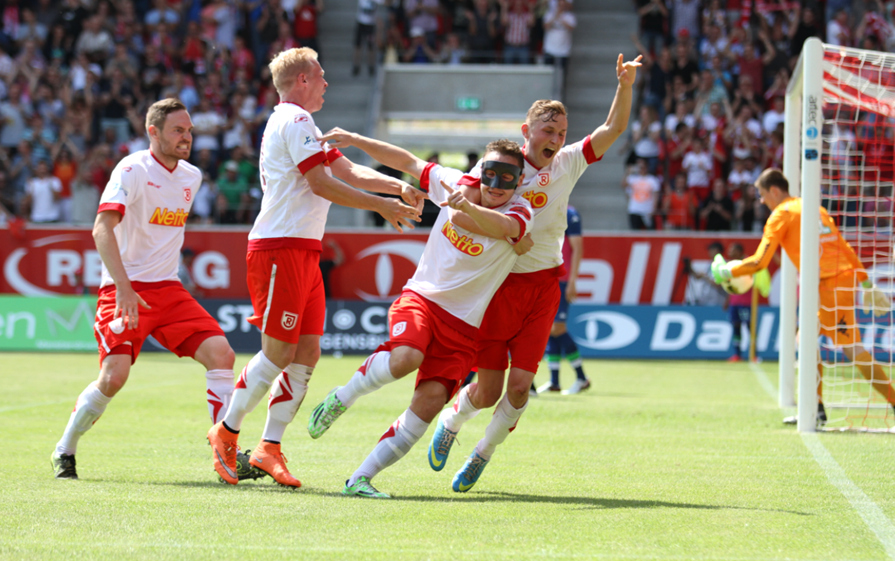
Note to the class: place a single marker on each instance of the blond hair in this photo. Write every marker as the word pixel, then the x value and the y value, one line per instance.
pixel 158 112
pixel 544 110
pixel 286 66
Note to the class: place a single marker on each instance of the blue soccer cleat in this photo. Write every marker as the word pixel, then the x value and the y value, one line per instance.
pixel 469 473
pixel 440 446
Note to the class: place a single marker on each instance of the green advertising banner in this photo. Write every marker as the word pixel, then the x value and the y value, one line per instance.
pixel 61 323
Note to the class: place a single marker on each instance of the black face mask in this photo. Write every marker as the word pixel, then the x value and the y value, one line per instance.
pixel 499 169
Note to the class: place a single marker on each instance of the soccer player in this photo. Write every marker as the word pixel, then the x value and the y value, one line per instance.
pixel 840 272
pixel 435 322
pixel 283 276
pixel 520 318
pixel 739 308
pixel 139 234
pixel 560 342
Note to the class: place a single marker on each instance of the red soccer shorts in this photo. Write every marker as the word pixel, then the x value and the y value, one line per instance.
pixel 518 321
pixel 174 318
pixel 287 292
pixel 447 342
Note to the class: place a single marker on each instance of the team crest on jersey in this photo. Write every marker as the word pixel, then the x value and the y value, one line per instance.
pixel 543 179
pixel 399 328
pixel 187 194
pixel 289 320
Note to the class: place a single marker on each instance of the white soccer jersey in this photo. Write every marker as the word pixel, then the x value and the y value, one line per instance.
pixel 461 271
pixel 548 190
pixel 289 208
pixel 154 202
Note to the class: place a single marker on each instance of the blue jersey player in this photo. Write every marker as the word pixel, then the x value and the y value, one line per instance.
pixel 561 343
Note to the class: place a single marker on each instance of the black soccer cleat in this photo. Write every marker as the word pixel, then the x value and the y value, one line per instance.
pixel 245 470
pixel 64 465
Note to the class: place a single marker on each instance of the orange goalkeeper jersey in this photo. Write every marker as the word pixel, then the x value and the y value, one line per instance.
pixel 783 228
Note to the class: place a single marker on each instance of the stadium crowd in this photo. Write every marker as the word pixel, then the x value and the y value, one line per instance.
pixel 711 108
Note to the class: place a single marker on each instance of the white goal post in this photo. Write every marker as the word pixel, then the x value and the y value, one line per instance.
pixel 839 151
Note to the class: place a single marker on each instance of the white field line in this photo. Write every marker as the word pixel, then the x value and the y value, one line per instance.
pixel 869 511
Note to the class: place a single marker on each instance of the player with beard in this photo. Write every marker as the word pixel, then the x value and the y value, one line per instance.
pixel 139 234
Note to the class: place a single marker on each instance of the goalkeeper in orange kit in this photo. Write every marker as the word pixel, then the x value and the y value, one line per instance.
pixel 840 273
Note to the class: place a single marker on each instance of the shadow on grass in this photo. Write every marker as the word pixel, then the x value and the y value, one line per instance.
pixel 583 502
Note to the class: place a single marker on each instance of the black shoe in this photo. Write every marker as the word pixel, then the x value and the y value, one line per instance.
pixel 821 419
pixel 245 470
pixel 64 465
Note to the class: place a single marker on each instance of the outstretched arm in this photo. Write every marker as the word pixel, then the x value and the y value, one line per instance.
pixel 383 152
pixel 369 179
pixel 617 121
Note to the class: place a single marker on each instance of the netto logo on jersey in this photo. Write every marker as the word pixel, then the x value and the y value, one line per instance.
pixel 169 217
pixel 463 243
pixel 536 198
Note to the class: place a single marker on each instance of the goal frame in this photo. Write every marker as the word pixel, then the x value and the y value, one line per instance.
pixel 802 152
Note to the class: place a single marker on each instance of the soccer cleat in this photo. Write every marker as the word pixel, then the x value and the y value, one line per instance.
pixel 821 418
pixel 325 414
pixel 548 387
pixel 268 458
pixel 440 446
pixel 469 473
pixel 64 465
pixel 577 386
pixel 245 470
pixel 223 450
pixel 363 488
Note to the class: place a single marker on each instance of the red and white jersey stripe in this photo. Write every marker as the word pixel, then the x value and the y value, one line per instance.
pixel 460 271
pixel 291 214
pixel 154 202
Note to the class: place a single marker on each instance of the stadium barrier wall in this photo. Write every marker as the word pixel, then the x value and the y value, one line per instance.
pixel 617 267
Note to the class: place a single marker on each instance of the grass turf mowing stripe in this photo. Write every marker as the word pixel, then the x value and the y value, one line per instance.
pixel 868 510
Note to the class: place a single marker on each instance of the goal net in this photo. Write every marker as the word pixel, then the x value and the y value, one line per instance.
pixel 840 154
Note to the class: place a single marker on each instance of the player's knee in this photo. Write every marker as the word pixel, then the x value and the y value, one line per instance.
pixel 110 383
pixel 487 396
pixel 404 360
pixel 518 388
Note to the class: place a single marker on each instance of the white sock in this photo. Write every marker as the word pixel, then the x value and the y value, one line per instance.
pixel 219 385
pixel 254 382
pixel 397 441
pixel 502 424
pixel 462 411
pixel 90 405
pixel 286 396
pixel 372 375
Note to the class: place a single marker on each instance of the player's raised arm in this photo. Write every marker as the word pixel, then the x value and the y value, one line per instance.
pixel 397 213
pixel 617 120
pixel 369 179
pixel 492 223
pixel 383 152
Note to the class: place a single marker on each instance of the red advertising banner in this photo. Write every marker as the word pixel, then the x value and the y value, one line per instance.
pixel 617 268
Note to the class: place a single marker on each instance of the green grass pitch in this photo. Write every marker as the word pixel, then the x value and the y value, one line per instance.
pixel 659 460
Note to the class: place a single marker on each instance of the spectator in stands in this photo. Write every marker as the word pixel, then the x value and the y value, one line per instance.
pixel 678 205
pixel 645 138
pixel 685 67
pixel 452 50
pixel 42 193
pixel 94 41
pixel 685 18
pixel 483 20
pixel 207 125
pixel 161 13
pixel 13 114
pixel 331 257
pixel 747 210
pixel 698 164
pixel 808 26
pixel 185 272
pixel 716 212
pixel 642 189
pixel 517 19
pixel 657 75
pixel 365 35
pixel 774 116
pixel 85 197
pixel 418 50
pixel 653 21
pixel 714 43
pixel 677 145
pixel 559 22
pixel 306 14
pixel 423 14
pixel 838 30
pixel 203 208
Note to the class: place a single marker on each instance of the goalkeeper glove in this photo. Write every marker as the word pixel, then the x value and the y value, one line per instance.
pixel 875 300
pixel 762 280
pixel 721 270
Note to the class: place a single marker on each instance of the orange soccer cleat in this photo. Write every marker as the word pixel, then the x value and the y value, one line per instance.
pixel 268 458
pixel 223 449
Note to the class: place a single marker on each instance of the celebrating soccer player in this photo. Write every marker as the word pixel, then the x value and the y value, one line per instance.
pixel 284 248
pixel 139 234
pixel 840 272
pixel 435 323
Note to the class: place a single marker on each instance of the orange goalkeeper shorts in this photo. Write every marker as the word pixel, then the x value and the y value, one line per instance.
pixel 837 309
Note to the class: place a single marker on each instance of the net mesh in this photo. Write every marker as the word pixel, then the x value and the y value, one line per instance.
pixel 858 168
